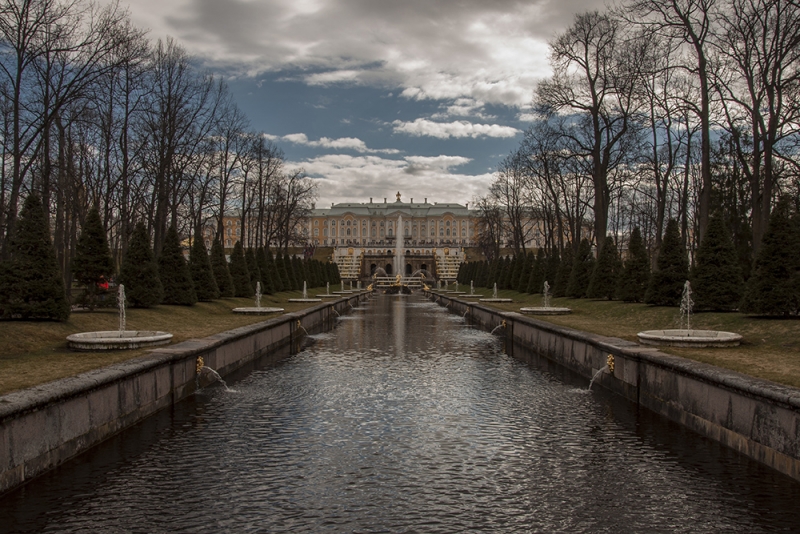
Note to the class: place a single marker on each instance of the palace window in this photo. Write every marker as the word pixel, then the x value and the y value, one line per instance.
pixel 316 223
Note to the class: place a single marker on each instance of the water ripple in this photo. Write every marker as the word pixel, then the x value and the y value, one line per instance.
pixel 405 420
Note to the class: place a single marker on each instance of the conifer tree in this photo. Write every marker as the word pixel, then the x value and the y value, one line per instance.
pixel 274 271
pixel 267 286
pixel 633 281
pixel 241 277
pixel 291 275
pixel 336 276
pixel 222 274
pixel 252 267
pixel 666 283
pixel 516 271
pixel 286 280
pixel 607 268
pixel 93 263
pixel 564 272
pixel 205 285
pixel 483 274
pixel 536 279
pixel 491 277
pixel 505 274
pixel 553 263
pixel 774 287
pixel 139 271
pixel 525 275
pixel 581 270
pixel 717 282
pixel 31 285
pixel 174 272
pixel 461 271
pixel 298 272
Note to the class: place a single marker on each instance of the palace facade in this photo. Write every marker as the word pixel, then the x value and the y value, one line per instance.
pixel 394 237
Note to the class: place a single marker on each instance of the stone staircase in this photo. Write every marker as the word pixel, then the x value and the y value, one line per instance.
pixel 447 265
pixel 349 266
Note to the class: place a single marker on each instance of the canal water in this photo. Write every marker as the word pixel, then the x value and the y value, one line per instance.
pixel 405 419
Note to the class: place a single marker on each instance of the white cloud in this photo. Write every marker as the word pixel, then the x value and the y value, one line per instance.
pixel 345 178
pixel 351 143
pixel 492 52
pixel 456 129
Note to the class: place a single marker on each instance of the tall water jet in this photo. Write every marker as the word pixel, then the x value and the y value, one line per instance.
pixel 399 259
pixel 545 308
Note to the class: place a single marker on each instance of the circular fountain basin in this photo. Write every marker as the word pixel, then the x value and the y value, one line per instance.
pixel 475 296
pixel 328 296
pixel 496 300
pixel 689 338
pixel 116 340
pixel 549 310
pixel 257 311
pixel 305 300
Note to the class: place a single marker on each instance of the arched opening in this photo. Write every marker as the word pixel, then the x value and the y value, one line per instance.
pixel 423 267
pixel 388 269
pixel 372 269
pixel 408 269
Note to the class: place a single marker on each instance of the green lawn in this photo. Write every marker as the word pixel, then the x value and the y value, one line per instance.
pixel 770 347
pixel 35 352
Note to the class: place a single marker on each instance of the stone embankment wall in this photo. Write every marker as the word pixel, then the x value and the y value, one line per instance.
pixel 758 418
pixel 42 427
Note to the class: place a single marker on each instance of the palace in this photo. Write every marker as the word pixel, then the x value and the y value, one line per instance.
pixel 394 237
pixel 387 238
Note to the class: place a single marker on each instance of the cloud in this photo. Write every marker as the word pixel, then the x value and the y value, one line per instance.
pixel 345 178
pixel 349 143
pixel 492 52
pixel 456 129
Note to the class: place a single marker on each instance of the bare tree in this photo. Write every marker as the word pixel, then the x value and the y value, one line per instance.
pixel 595 74
pixel 760 44
pixel 690 21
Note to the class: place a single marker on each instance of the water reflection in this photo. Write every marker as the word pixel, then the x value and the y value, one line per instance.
pixel 407 420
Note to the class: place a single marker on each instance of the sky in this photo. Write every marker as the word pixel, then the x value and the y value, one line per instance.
pixel 372 97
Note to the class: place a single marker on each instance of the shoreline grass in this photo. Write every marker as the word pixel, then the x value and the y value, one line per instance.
pixel 33 353
pixel 770 347
pixel 36 352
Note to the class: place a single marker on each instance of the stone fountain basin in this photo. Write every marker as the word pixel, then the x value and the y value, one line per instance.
pixel 115 340
pixel 257 311
pixel 689 338
pixel 305 300
pixel 549 310
pixel 496 300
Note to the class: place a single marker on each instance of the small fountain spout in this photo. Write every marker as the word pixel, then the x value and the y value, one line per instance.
pixel 494 291
pixel 301 327
pixel 496 328
pixel 203 369
pixel 305 291
pixel 608 368
pixel 258 295
pixel 471 287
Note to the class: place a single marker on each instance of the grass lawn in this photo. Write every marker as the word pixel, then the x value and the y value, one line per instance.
pixel 35 352
pixel 770 347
